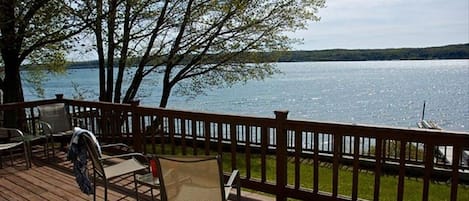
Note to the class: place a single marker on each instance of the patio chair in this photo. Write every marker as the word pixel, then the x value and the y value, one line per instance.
pixel 56 124
pixel 196 178
pixel 108 172
pixel 11 139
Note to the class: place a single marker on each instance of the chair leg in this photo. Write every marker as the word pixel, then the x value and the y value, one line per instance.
pixel 151 193
pixel 136 186
pixel 94 186
pixel 26 155
pixel 105 189
pixel 53 147
pixel 11 157
pixel 46 148
pixel 238 188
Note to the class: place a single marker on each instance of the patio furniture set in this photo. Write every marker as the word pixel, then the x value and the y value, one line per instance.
pixel 175 177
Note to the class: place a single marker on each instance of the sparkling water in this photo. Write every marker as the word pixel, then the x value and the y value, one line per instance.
pixel 366 92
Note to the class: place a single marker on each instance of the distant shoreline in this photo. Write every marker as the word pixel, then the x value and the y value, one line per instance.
pixel 458 51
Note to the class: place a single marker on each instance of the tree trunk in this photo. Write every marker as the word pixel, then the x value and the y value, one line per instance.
pixel 134 85
pixel 167 86
pixel 10 44
pixel 12 92
pixel 165 96
pixel 111 47
pixel 100 50
pixel 123 54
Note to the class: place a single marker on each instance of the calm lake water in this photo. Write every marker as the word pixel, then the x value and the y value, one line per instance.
pixel 372 92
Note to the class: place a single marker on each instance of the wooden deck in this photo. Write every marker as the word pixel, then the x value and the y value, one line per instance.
pixel 52 179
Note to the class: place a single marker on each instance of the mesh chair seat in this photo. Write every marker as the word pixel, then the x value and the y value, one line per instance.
pixel 195 178
pixel 117 169
pixel 122 168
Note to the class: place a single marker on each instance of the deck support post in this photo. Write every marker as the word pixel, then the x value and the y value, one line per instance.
pixel 59 96
pixel 136 133
pixel 281 154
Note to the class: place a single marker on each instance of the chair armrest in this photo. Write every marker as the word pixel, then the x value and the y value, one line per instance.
pixel 15 134
pixel 121 145
pixel 124 155
pixel 121 148
pixel 46 127
pixel 115 145
pixel 234 176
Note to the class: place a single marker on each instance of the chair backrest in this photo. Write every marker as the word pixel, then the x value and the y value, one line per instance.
pixel 93 152
pixel 57 116
pixel 190 178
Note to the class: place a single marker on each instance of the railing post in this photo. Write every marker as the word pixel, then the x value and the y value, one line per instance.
pixel 281 154
pixel 59 96
pixel 137 137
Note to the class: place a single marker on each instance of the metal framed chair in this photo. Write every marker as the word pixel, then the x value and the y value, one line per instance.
pixel 108 172
pixel 196 178
pixel 11 139
pixel 56 124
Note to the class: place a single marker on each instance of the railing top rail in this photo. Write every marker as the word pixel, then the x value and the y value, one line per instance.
pixel 385 132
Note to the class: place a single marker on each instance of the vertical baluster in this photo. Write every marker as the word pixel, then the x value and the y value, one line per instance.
pixel 356 166
pixel 429 149
pixel 335 164
pixel 264 147
pixel 298 150
pixel 455 172
pixel 248 151
pixel 378 155
pixel 316 164
pixel 207 131
pixel 402 161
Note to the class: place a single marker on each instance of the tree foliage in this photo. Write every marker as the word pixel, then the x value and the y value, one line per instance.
pixel 179 38
pixel 460 51
pixel 31 32
pixel 34 32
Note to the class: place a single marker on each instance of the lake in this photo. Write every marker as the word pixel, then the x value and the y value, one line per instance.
pixel 365 92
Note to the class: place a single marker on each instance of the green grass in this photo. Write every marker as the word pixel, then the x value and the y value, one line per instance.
pixel 388 190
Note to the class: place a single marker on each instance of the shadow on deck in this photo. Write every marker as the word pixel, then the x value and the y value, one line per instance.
pixel 53 179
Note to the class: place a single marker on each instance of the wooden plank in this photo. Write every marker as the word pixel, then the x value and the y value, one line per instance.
pixel 264 144
pixel 19 191
pixel 6 194
pixel 247 151
pixel 356 166
pixel 298 149
pixel 378 155
pixel 429 149
pixel 59 185
pixel 316 164
pixel 400 184
pixel 335 164
pixel 455 172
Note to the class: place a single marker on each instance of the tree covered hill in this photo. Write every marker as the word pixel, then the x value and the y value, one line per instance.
pixel 459 51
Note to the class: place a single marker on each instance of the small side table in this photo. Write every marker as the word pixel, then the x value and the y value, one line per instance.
pixel 150 181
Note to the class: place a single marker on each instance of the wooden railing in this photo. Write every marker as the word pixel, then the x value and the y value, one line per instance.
pixel 398 151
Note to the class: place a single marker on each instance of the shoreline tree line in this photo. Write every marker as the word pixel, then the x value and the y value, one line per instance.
pixel 458 51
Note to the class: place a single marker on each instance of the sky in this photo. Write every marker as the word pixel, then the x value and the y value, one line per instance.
pixel 369 24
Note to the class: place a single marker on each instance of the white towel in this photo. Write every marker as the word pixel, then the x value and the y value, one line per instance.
pixel 77 131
